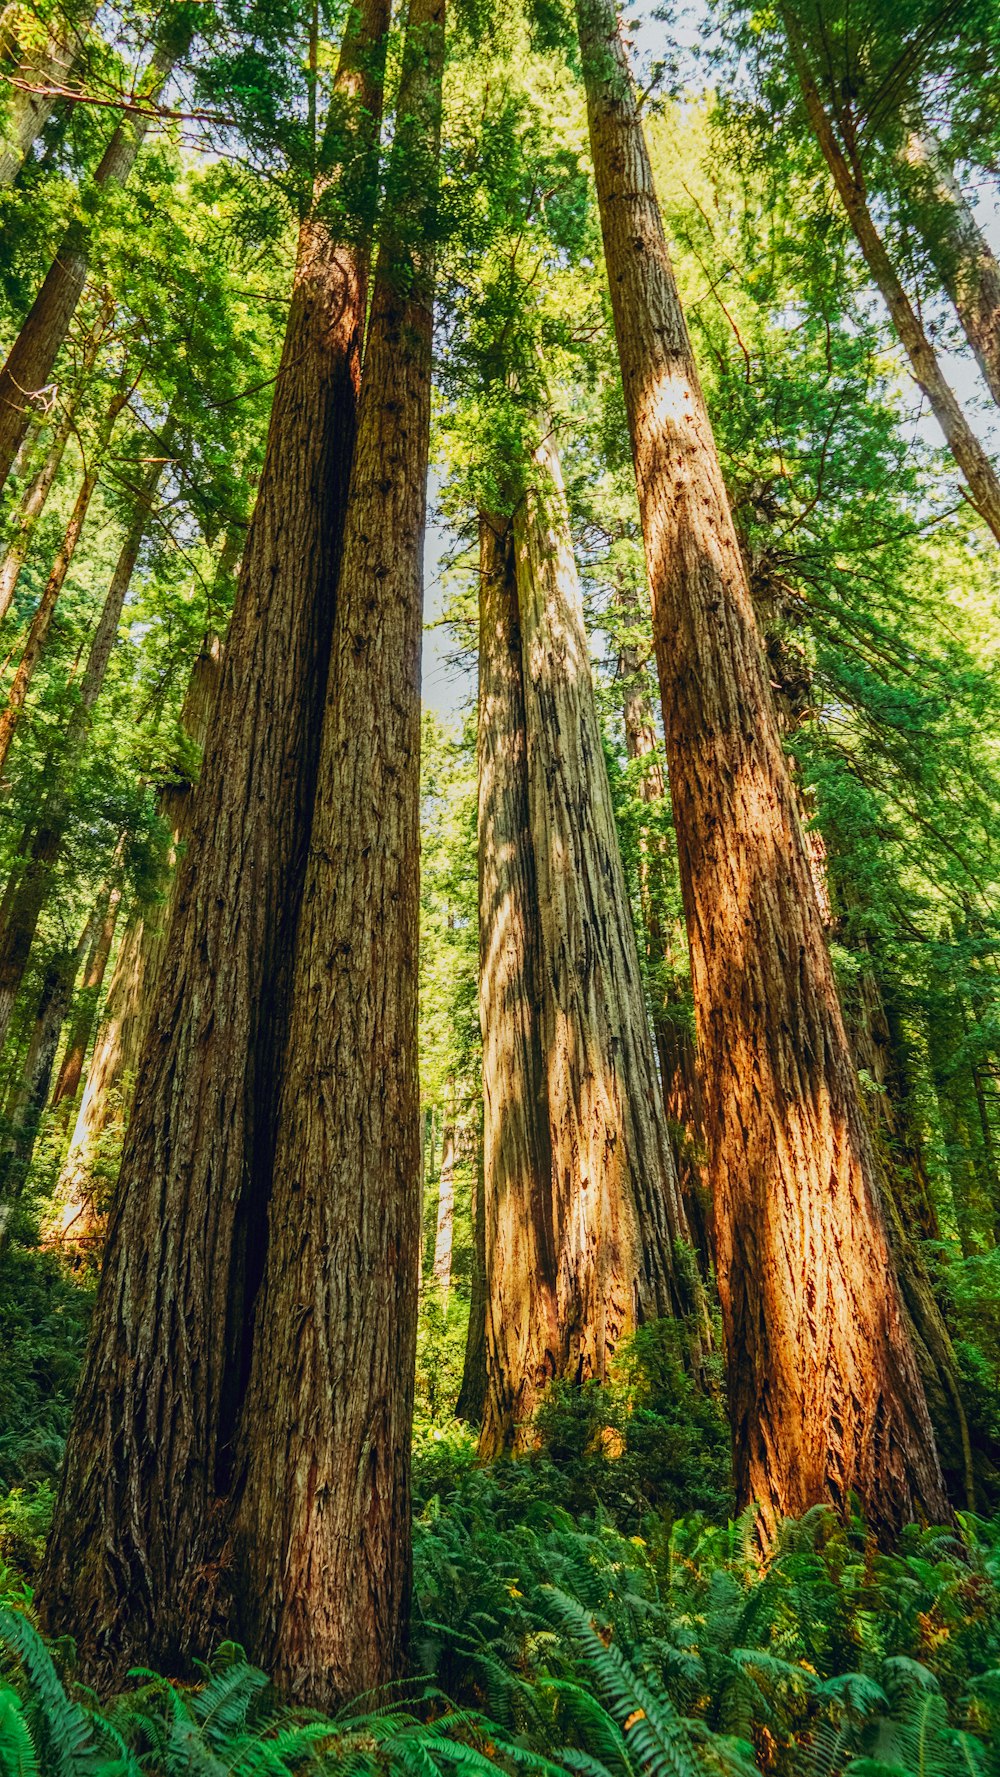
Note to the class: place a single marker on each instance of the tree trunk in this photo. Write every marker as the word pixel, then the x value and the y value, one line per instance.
pixel 607 1129
pixel 80 1200
pixel 25 376
pixel 150 1452
pixel 325 1571
pixel 29 111
pixel 522 1332
pixel 444 1229
pixel 824 1390
pixel 42 619
pixel 959 251
pixel 972 460
pixel 85 1012
pixel 26 892
pixel 33 503
pixel 26 1105
pixel 665 937
pixel 472 1393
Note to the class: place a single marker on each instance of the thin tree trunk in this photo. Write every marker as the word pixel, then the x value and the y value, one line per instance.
pixel 26 1106
pixel 33 503
pixel 169 1358
pixel 972 460
pixel 824 1390
pixel 445 1226
pixel 44 612
pixel 28 110
pixel 472 1393
pixel 80 1199
pixel 961 254
pixel 25 895
pixel 82 1023
pixel 28 369
pixel 325 1571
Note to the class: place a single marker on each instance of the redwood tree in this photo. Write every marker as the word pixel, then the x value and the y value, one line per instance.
pixel 824 1391
pixel 168 1361
pixel 324 1570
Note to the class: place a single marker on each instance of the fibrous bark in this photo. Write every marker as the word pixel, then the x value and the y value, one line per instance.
pixel 607 1215
pixel 824 1390
pixel 150 1454
pixel 324 1568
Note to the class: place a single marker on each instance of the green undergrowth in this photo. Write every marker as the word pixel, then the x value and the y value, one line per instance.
pixel 544 1641
pixel 590 1608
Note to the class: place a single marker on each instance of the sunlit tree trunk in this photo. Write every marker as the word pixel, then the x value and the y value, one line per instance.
pixel 848 177
pixel 30 880
pixel 169 1358
pixel 80 1206
pixel 519 1241
pixel 824 1390
pixel 583 1250
pixel 27 372
pixel 961 254
pixel 325 1571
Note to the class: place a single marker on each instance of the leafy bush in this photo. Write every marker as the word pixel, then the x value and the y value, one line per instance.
pixel 44 1312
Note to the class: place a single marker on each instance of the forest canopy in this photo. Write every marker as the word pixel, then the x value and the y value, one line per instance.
pixel 499 924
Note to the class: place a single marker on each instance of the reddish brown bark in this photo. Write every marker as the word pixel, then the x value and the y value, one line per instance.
pixel 823 1386
pixel 325 1568
pixel 28 369
pixel 150 1455
pixel 607 1217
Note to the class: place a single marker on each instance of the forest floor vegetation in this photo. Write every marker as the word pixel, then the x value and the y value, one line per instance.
pixel 591 1607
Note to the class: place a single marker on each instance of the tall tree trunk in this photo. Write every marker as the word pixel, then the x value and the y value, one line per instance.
pixel 325 1571
pixel 611 1223
pixel 519 1240
pixel 26 892
pixel 30 361
pixel 824 1390
pixel 29 110
pixel 169 1357
pixel 36 494
pixel 85 1011
pixel 80 1199
pixel 665 937
pixel 972 460
pixel 961 254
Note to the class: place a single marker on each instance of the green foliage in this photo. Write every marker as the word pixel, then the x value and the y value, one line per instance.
pixel 43 1323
